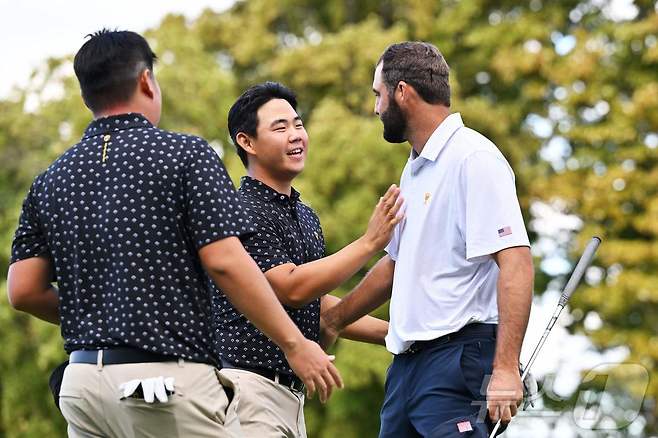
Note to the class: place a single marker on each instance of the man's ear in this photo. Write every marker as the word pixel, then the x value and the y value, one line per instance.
pixel 405 95
pixel 246 143
pixel 402 91
pixel 146 83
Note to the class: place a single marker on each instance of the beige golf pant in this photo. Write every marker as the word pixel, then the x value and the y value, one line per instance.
pixel 201 407
pixel 267 409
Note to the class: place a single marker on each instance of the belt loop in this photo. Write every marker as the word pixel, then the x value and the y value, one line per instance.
pixel 181 362
pixel 99 360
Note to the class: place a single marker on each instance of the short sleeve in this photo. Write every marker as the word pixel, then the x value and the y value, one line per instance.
pixel 394 244
pixel 213 209
pixel 493 219
pixel 265 245
pixel 29 239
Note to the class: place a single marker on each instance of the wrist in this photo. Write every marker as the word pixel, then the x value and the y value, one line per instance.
pixel 292 344
pixel 367 245
pixel 331 321
pixel 506 366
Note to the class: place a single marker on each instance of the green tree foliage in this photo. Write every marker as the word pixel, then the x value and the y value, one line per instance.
pixel 569 95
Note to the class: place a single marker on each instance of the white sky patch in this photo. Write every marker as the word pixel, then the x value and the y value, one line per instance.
pixel 651 140
pixel 33 30
pixel 556 151
pixel 619 10
pixel 540 126
pixel 563 43
pixel 532 46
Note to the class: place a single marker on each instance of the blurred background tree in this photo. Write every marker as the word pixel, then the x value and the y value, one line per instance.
pixel 567 90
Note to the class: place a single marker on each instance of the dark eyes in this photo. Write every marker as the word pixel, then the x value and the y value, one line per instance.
pixel 298 125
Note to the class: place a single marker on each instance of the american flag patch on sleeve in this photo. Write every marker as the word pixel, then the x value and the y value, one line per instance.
pixel 505 231
pixel 464 426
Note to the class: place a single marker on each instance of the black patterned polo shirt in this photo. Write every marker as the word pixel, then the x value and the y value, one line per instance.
pixel 286 231
pixel 122 214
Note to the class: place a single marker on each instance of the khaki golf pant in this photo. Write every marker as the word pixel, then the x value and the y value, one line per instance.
pixel 203 405
pixel 267 409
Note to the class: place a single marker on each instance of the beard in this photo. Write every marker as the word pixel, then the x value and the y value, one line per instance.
pixel 395 124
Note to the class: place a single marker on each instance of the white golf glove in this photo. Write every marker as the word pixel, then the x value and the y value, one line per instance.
pixel 152 388
pixel 530 390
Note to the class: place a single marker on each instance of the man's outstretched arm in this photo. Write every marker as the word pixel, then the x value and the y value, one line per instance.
pixel 298 285
pixel 237 275
pixel 373 291
pixel 365 329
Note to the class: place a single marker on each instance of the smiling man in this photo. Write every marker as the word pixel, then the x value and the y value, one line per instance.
pixel 288 246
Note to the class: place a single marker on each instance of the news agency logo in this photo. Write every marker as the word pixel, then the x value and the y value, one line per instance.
pixel 610 397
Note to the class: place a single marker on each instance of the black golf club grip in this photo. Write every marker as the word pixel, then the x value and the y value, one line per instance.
pixel 579 270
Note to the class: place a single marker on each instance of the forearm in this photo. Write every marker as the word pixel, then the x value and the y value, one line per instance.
pixel 373 291
pixel 514 301
pixel 302 284
pixel 365 329
pixel 29 288
pixel 299 285
pixel 43 305
pixel 245 286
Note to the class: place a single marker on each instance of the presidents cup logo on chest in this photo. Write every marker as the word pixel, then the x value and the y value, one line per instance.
pixel 426 199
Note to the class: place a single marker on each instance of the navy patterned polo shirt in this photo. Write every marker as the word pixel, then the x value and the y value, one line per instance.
pixel 286 231
pixel 122 214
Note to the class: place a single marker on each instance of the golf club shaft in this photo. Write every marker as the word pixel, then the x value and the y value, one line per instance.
pixel 576 276
pixel 579 270
pixel 541 342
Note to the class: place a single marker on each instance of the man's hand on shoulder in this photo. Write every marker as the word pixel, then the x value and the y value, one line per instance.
pixel 385 217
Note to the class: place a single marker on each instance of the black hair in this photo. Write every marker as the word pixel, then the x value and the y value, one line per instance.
pixel 419 64
pixel 108 66
pixel 243 115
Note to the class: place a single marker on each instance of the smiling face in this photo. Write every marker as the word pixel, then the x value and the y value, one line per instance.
pixel 281 142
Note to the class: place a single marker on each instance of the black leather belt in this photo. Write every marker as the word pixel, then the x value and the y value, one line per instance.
pixel 469 331
pixel 115 356
pixel 289 380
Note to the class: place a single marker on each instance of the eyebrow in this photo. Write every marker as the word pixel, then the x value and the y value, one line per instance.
pixel 284 121
pixel 375 91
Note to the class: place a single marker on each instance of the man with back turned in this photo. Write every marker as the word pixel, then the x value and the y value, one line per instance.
pixel 126 222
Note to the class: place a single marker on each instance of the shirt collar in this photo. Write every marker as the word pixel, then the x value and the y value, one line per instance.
pixel 120 122
pixel 254 187
pixel 437 140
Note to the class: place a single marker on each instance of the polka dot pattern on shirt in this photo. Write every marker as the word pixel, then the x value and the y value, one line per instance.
pixel 286 231
pixel 123 214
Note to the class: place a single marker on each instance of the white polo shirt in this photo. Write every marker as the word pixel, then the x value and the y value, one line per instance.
pixel 461 207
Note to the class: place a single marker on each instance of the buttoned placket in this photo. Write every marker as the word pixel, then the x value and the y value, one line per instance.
pixel 291 205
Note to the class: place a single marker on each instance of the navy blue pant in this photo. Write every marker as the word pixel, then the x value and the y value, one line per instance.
pixel 445 379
